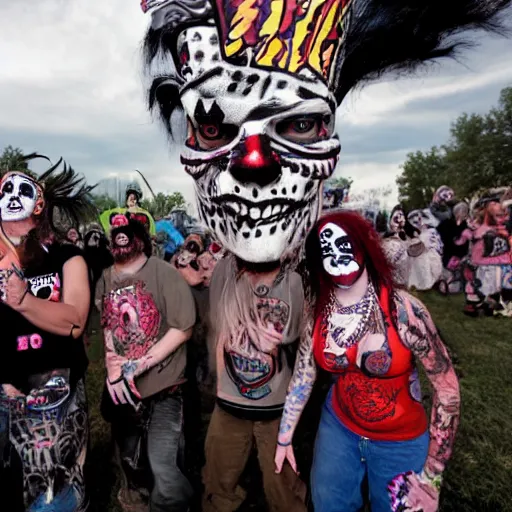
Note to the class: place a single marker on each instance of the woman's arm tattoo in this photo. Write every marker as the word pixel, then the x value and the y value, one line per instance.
pixel 418 332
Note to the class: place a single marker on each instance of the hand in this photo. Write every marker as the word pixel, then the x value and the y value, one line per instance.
pixel 285 453
pixel 423 496
pixel 411 492
pixel 114 364
pixel 12 392
pixel 15 290
pixel 130 370
pixel 120 392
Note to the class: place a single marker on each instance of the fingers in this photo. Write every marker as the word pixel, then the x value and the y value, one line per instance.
pixel 120 393
pixel 291 459
pixel 133 388
pixel 112 393
pixel 279 460
pixel 127 397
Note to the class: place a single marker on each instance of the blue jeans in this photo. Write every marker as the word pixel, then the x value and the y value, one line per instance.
pixel 155 438
pixel 342 459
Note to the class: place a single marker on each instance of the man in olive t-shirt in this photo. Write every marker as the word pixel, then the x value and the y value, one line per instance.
pixel 147 315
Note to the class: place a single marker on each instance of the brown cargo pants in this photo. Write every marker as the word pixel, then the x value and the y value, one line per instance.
pixel 228 446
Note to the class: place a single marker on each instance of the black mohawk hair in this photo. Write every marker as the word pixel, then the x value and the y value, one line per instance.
pixel 66 194
pixel 398 36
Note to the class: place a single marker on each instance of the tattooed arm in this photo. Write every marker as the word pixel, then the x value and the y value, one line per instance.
pixel 418 332
pixel 169 343
pixel 299 391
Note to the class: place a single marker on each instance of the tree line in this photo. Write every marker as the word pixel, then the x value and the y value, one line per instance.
pixel 477 156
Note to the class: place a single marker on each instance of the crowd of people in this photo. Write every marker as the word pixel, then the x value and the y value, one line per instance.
pixel 363 329
pixel 268 298
pixel 456 247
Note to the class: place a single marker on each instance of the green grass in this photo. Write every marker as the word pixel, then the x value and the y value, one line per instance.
pixel 479 474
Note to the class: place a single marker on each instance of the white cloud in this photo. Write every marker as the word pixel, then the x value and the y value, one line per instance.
pixel 71 84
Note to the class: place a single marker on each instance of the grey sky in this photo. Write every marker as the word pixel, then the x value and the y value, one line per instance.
pixel 71 85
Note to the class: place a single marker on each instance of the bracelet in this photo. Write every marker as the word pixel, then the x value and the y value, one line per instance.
pixel 284 445
pixel 117 381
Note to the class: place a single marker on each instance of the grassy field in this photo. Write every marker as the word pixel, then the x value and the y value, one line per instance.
pixel 479 475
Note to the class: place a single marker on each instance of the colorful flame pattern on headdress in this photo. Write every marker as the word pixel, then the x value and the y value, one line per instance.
pixel 284 34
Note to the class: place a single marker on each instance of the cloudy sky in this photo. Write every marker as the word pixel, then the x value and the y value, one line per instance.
pixel 71 85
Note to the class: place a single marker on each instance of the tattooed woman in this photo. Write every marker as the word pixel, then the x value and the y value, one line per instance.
pixel 370 335
pixel 43 310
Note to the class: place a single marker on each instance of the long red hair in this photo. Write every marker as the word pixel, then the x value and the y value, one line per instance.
pixel 363 234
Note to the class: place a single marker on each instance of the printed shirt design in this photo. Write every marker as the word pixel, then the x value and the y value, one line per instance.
pixel 131 317
pixel 250 369
pixel 46 287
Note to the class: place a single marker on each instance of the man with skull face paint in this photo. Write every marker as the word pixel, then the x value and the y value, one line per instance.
pixel 442 203
pixel 43 307
pixel 258 85
pixel 370 336
pixel 147 316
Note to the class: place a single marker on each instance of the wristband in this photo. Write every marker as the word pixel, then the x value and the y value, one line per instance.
pixel 284 445
pixel 117 381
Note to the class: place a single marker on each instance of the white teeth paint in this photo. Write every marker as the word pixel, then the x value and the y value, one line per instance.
pixel 235 207
pixel 243 209
pixel 276 209
pixel 255 213
pixel 267 212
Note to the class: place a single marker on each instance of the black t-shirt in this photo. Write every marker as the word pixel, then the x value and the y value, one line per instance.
pixel 28 350
pixel 449 231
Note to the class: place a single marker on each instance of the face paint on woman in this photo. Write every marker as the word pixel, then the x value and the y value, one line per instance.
pixel 341 259
pixel 18 197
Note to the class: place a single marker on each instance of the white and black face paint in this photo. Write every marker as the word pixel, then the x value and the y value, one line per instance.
pixel 340 259
pixel 422 218
pixel 260 144
pixel 397 222
pixel 18 198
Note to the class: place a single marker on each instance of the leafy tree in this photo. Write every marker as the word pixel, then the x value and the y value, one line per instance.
pixel 162 204
pixel 477 156
pixel 12 160
pixel 422 174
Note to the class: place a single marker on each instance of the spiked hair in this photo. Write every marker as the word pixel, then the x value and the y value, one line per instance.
pixel 65 194
pixel 392 37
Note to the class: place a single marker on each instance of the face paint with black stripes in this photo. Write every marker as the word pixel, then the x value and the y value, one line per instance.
pixel 342 260
pixel 260 137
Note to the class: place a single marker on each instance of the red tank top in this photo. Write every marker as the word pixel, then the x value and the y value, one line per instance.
pixel 382 400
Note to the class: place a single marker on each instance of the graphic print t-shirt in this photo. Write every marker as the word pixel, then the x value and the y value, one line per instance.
pixel 139 309
pixel 247 377
pixel 28 350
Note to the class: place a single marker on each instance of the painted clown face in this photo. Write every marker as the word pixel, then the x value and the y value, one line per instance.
pixel 422 218
pixel 19 198
pixel 260 117
pixel 341 259
pixel 397 221
pixel 443 195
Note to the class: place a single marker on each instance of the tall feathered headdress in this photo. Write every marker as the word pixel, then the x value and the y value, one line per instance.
pixel 343 43
pixel 64 192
